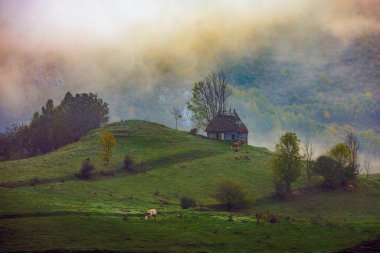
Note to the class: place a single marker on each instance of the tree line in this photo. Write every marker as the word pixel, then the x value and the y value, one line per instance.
pixel 339 166
pixel 54 126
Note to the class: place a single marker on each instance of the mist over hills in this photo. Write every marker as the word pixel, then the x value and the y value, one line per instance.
pixel 296 66
pixel 343 91
pixel 271 94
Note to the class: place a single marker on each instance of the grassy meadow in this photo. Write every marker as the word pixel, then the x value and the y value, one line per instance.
pixel 43 206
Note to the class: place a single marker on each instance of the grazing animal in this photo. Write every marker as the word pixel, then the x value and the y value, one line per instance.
pixel 151 213
pixel 258 217
pixel 273 218
pixel 349 187
pixel 235 145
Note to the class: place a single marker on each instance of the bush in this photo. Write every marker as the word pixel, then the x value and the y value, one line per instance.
pixel 340 153
pixel 128 162
pixel 331 170
pixel 194 131
pixel 87 168
pixel 187 202
pixel 232 194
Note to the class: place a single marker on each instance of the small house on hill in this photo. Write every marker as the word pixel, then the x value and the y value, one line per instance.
pixel 227 126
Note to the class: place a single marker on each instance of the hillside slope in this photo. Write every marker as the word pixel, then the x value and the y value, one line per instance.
pixel 174 163
pixel 44 207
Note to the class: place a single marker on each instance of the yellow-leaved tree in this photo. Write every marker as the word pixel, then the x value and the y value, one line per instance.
pixel 107 143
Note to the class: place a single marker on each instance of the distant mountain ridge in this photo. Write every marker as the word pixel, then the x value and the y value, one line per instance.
pixel 343 91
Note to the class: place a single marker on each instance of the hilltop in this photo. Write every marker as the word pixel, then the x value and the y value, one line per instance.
pixel 44 207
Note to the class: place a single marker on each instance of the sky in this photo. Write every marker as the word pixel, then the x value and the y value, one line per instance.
pixel 49 47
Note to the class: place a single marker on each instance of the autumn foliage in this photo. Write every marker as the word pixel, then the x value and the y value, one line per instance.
pixel 107 143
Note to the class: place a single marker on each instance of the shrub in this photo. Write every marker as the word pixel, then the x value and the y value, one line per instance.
pixel 87 168
pixel 128 162
pixel 194 131
pixel 232 194
pixel 331 170
pixel 187 202
pixel 340 153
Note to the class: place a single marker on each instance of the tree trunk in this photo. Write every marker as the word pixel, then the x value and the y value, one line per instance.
pixel 288 191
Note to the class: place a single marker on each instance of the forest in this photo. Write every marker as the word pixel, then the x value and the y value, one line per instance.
pixel 54 127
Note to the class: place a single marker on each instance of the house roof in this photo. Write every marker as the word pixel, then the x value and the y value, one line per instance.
pixel 227 122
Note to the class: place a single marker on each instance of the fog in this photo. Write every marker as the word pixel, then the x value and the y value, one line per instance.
pixel 131 53
pixel 49 47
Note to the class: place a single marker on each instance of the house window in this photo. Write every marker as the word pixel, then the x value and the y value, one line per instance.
pixel 233 136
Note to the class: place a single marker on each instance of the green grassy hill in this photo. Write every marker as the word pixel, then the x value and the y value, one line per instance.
pixel 44 207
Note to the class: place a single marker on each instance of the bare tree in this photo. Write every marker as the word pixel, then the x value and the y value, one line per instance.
pixel 209 98
pixel 309 152
pixel 367 166
pixel 354 144
pixel 177 115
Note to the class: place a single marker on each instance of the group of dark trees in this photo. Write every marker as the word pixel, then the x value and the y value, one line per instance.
pixel 339 166
pixel 54 127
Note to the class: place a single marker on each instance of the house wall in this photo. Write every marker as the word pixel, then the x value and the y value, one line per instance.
pixel 230 136
pixel 219 136
pixel 243 137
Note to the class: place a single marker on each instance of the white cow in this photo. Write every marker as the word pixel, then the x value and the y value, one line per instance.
pixel 151 213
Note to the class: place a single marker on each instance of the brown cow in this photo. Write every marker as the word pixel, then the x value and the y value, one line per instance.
pixel 235 145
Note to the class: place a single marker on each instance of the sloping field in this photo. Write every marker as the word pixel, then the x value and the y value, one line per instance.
pixel 44 207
